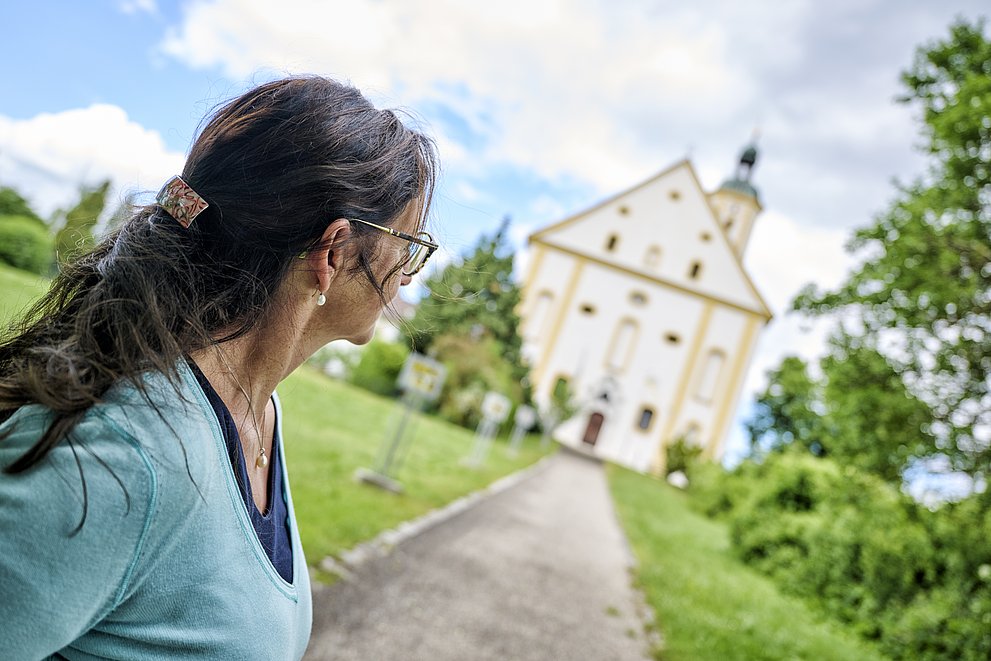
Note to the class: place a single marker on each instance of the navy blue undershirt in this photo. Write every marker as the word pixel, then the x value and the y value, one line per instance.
pixel 272 528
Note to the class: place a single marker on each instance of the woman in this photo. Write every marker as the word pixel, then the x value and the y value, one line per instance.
pixel 144 511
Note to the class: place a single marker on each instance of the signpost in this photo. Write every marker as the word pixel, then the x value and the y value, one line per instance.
pixel 421 380
pixel 495 409
pixel 524 421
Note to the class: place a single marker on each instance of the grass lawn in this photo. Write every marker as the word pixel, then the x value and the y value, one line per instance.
pixel 18 289
pixel 331 429
pixel 709 605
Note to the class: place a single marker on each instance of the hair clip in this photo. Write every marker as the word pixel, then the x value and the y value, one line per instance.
pixel 180 201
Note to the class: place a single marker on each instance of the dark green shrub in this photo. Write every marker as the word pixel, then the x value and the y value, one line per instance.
pixel 474 367
pixel 848 539
pixel 682 456
pixel 379 367
pixel 12 204
pixel 25 244
pixel 715 491
pixel 918 582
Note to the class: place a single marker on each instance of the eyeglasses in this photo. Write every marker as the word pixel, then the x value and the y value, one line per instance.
pixel 421 246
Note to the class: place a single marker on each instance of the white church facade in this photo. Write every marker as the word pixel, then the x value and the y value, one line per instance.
pixel 641 304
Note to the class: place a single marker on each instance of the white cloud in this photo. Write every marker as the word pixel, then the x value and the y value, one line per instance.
pixel 590 90
pixel 49 156
pixel 135 6
pixel 783 256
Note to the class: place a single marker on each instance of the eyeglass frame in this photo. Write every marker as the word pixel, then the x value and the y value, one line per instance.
pixel 428 243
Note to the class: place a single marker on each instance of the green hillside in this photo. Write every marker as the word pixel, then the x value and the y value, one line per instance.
pixel 17 290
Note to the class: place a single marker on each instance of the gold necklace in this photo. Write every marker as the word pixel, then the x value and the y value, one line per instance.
pixel 261 461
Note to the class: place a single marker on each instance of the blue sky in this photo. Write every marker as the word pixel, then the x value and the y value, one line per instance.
pixel 540 107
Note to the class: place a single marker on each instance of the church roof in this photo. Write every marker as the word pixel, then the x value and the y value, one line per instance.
pixel 740 186
pixel 748 298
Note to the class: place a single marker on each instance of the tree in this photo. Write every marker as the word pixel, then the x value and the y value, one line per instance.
pixel 788 412
pixel 12 204
pixel 858 412
pixel 474 297
pixel 469 318
pixel 922 297
pixel 76 234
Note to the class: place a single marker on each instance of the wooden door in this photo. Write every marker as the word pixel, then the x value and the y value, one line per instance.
pixel 592 430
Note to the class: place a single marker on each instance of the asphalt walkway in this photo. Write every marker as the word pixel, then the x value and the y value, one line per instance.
pixel 538 572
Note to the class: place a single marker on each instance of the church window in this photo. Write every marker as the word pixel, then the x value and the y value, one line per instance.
pixel 621 348
pixel 675 195
pixel 705 236
pixel 653 257
pixel 673 338
pixel 696 270
pixel 624 210
pixel 611 242
pixel 646 417
pixel 539 314
pixel 730 215
pixel 638 298
pixel 709 376
pixel 587 308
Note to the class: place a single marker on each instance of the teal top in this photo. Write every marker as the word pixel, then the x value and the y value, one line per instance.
pixel 166 564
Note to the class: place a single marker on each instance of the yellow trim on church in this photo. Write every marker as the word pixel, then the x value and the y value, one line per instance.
pixel 526 303
pixel 731 389
pixel 563 309
pixel 660 459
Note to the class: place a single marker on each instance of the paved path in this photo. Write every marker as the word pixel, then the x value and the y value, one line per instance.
pixel 538 572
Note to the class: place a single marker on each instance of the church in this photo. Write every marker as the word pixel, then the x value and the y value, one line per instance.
pixel 641 305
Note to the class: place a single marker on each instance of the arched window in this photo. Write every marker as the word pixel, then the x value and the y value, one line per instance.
pixel 708 381
pixel 612 242
pixel 696 270
pixel 539 314
pixel 646 418
pixel 624 340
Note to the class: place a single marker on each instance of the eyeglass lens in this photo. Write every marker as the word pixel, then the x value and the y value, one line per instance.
pixel 417 255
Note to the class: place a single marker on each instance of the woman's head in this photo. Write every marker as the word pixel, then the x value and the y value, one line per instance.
pixel 278 165
pixel 283 167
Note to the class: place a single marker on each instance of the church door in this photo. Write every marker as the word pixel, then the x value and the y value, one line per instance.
pixel 592 430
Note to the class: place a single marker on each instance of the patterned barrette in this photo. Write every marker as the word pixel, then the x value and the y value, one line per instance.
pixel 180 201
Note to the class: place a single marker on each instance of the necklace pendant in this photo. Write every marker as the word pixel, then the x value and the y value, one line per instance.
pixel 261 461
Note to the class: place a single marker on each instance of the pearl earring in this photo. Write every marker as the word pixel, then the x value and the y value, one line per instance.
pixel 321 299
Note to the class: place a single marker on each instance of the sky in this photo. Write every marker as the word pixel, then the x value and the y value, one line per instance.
pixel 540 108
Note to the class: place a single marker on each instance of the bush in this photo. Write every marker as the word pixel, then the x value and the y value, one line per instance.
pixel 682 456
pixel 474 367
pixel 917 581
pixel 25 244
pixel 379 366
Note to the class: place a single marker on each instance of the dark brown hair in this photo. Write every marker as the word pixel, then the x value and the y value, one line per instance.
pixel 276 166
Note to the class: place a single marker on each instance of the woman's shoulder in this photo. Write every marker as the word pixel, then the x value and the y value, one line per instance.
pixel 151 430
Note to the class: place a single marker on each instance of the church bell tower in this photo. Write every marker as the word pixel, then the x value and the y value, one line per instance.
pixel 736 202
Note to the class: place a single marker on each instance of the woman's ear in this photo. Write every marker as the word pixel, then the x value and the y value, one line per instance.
pixel 329 260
